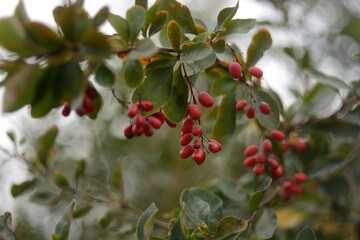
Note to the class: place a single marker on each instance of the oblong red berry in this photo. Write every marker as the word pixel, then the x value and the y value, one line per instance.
pixel 300 145
pixel 241 104
pixel 199 156
pixel 66 110
pixel 148 131
pixel 261 158
pixel 146 105
pixel 137 130
pixel 299 177
pixel 277 135
pixel 278 172
pixel 197 130
pixel 267 145
pixel 251 150
pixel 187 125
pixel 197 143
pixel 205 99
pixel 186 151
pixel 169 123
pixel 264 108
pixel 155 122
pixel 250 161
pixel 259 169
pixel 81 111
pixel 159 115
pixel 287 185
pixel 285 145
pixel 139 120
pixel 214 147
pixel 216 142
pixel 256 72
pixel 128 131
pixel 235 70
pixel 132 110
pixel 296 190
pixel 273 163
pixel 194 111
pixel 186 139
pixel 88 104
pixel 250 112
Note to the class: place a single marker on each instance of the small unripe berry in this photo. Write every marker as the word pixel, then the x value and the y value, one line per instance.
pixel 241 104
pixel 214 147
pixel 197 130
pixel 277 135
pixel 187 125
pixel 300 145
pixel 251 150
pixel 194 111
pixel 66 110
pixel 205 99
pixel 199 156
pixel 88 104
pixel 249 162
pixel 146 105
pixel 132 110
pixel 186 151
pixel 155 122
pixel 186 139
pixel 256 72
pixel 128 132
pixel 259 169
pixel 169 123
pixel 299 177
pixel 235 70
pixel 264 108
pixel 250 112
pixel 261 158
pixel 197 143
pixel 267 145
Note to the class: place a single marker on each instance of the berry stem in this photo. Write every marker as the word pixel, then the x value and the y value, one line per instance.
pixel 123 103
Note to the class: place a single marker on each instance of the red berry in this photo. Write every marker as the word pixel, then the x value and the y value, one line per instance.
pixel 258 169
pixel 278 172
pixel 159 115
pixel 240 105
pixel 146 105
pixel 138 130
pixel 300 145
pixel 186 139
pixel 169 123
pixel 132 110
pixel 256 72
pixel 264 108
pixel 197 143
pixel 88 104
pixel 277 135
pixel 187 125
pixel 250 112
pixel 287 185
pixel 205 99
pixel 296 189
pixel 286 195
pixel 261 158
pixel 199 156
pixel 128 131
pixel 186 151
pixel 197 130
pixel 214 147
pixel 299 177
pixel 216 142
pixel 147 129
pixel 273 163
pixel 249 162
pixel 139 120
pixel 81 111
pixel 91 93
pixel 285 145
pixel 66 110
pixel 194 111
pixel 251 150
pixel 154 121
pixel 267 145
pixel 235 70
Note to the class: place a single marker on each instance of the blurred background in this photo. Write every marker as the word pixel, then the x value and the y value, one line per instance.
pixel 318 33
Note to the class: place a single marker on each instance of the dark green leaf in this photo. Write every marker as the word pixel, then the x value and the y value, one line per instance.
pixel 61 181
pixel 223 85
pixel 62 229
pixel 260 42
pixel 105 76
pixel 326 80
pixel 101 16
pixel 229 189
pixel 20 12
pixel 82 211
pixel 135 17
pixel 158 22
pixel 306 234
pixel 318 98
pixel 145 224
pixel 145 48
pixel 219 45
pixel 120 25
pixel 177 106
pixel 238 26
pixel 179 13
pixel 257 197
pixel 174 35
pixel 201 205
pixel 96 44
pixel 6 229
pixel 18 189
pixel 356 56
pixel 42 197
pixel 352 116
pixel 230 225
pixel 266 225
pixel 225 16
pixel 225 120
pixel 80 169
pixel 116 178
pixel 270 121
pixel 143 3
pixel 43 36
pixel 206 62
pixel 132 72
pixel 179 231
pixel 107 218
pixel 150 15
pixel 195 52
pixel 11 135
pixel 335 187
pixel 45 144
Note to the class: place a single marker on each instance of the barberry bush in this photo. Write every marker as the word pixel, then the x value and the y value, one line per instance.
pixel 188 140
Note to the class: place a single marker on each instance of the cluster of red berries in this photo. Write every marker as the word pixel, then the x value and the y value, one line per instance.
pixel 144 125
pixel 241 105
pixel 236 71
pixel 298 144
pixel 292 186
pixel 87 104
pixel 192 136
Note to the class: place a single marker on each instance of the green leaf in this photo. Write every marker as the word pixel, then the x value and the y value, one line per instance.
pixel 266 225
pixel 180 14
pixel 62 229
pixel 107 218
pixel 150 15
pixel 45 144
pixel 195 52
pixel 225 119
pixel 335 186
pixel 82 211
pixel 260 42
pixel 101 16
pixel 177 106
pixel 120 25
pixel 6 229
pixel 145 48
pixel 18 189
pixel 145 224
pixel 97 45
pixel 356 56
pixel 229 226
pixel 80 169
pixel 204 229
pixel 318 98
pixel 258 196
pixel 157 85
pixel 135 17
pixel 223 85
pixel 43 36
pixel 238 26
pixel 326 80
pixel 61 181
pixel 174 35
pixel 116 178
pixel 272 120
pixel 42 197
pixel 201 205
pixel 20 12
pixel 306 234
pixel 143 3
pixel 219 45
pixel 104 76
pixel 179 230
pixel 225 16
pixel 132 72
pixel 230 189
pixel 158 22
pixel 206 62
